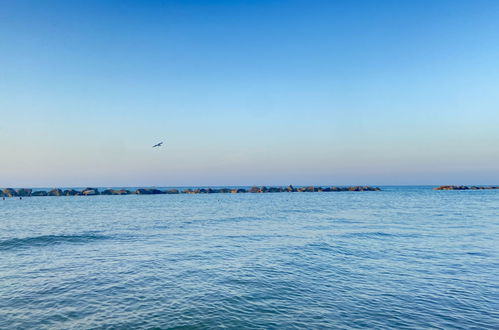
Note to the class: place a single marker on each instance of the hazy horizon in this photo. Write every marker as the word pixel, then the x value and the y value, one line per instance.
pixel 248 93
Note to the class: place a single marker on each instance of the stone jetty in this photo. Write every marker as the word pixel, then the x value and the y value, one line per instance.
pixel 23 192
pixel 465 187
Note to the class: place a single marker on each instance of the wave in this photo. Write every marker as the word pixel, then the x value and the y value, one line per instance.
pixel 47 240
pixel 237 219
pixel 378 234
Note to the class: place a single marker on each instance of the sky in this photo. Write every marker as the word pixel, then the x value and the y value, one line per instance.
pixel 248 92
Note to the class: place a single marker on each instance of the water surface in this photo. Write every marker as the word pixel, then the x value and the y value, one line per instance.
pixel 405 257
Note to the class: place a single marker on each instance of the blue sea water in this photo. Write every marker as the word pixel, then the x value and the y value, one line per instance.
pixel 405 257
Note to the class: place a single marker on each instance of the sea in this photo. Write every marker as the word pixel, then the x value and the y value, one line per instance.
pixel 401 258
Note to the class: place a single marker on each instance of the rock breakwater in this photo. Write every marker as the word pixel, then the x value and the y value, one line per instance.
pixel 465 187
pixel 23 192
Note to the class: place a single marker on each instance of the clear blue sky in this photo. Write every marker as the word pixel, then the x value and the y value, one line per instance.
pixel 248 92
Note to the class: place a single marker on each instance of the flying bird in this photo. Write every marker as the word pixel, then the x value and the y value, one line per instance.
pixel 157 145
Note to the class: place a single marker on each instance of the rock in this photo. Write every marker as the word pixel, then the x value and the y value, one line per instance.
pixel 122 192
pixel 464 188
pixel 9 192
pixel 443 188
pixel 290 188
pixel 451 188
pixel 55 192
pixel 352 188
pixel 148 191
pixel 115 192
pixel 23 192
pixel 306 189
pixel 108 192
pixel 39 193
pixel 90 192
pixel 255 190
pixel 71 192
pixel 171 191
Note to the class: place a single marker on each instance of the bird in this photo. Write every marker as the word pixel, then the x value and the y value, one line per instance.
pixel 157 145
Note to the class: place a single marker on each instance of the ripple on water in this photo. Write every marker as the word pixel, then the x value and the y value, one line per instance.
pixel 47 240
pixel 403 258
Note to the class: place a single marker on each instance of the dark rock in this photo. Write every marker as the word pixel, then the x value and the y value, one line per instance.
pixel 255 190
pixel 55 192
pixel 90 192
pixel 148 191
pixel 171 191
pixel 464 188
pixel 451 188
pixel 306 189
pixel 115 192
pixel 290 188
pixel 9 192
pixel 71 192
pixel 39 193
pixel 23 192
pixel 122 192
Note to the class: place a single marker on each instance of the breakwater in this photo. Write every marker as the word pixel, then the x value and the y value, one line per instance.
pixel 26 192
pixel 465 187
